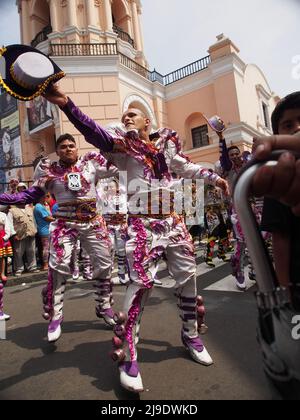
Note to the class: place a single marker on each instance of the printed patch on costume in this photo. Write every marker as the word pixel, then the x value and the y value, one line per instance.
pixel 74 182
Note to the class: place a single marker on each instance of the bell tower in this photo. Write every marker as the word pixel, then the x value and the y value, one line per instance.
pixel 99 45
pixel 45 22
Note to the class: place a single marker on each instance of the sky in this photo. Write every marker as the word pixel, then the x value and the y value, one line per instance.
pixel 178 32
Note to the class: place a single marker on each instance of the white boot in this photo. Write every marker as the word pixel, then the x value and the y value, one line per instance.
pixel 4 317
pixel 54 330
pixel 197 350
pixel 130 377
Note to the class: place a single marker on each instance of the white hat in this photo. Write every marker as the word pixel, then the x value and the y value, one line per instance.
pixel 22 184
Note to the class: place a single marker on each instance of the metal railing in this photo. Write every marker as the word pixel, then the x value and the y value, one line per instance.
pixel 58 50
pixel 188 70
pixel 123 35
pixel 170 78
pixel 41 36
pixel 136 67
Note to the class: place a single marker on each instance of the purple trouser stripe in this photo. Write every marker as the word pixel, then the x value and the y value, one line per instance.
pixel 50 289
pixel 1 296
pixel 187 300
pixel 187 308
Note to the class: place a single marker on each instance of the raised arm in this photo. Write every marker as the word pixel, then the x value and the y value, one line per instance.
pixel 31 195
pixel 92 132
pixel 182 166
pixel 226 163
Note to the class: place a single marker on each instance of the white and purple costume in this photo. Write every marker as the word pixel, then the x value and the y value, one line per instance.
pixel 76 218
pixel 150 232
pixel 114 211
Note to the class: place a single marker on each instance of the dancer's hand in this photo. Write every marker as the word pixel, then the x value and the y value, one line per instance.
pixel 56 96
pixel 223 184
pixel 282 181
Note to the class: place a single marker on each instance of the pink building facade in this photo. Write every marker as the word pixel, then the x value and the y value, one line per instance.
pixel 99 44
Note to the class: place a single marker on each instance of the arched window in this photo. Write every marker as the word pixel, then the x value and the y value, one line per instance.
pixel 41 22
pixel 196 131
pixel 122 21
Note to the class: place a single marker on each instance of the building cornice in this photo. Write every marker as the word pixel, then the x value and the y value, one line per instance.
pixel 225 65
pixel 221 67
pixel 83 66
pixel 188 85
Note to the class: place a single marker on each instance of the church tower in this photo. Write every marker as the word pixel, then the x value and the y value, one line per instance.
pixel 45 22
pixel 99 45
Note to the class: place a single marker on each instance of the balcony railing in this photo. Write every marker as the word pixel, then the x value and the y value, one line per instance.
pixel 188 70
pixel 170 78
pixel 58 50
pixel 41 36
pixel 123 35
pixel 136 67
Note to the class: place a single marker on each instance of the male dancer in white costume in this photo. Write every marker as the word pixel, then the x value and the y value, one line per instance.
pixel 72 180
pixel 148 161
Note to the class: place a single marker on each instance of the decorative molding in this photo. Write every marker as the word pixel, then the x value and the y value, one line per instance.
pixel 227 64
pixel 63 3
pixel 126 49
pixel 97 3
pixel 262 93
pixel 188 85
pixel 84 66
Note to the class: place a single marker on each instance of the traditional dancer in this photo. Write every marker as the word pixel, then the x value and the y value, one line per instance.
pixel 216 228
pixel 115 215
pixel 5 252
pixel 151 231
pixel 231 163
pixel 72 180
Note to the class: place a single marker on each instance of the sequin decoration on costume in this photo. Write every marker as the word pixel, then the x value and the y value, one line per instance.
pixel 58 236
pixel 76 178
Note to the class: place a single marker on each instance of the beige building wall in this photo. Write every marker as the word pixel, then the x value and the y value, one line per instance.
pixel 104 86
pixel 97 96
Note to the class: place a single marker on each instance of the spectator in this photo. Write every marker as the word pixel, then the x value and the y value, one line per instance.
pixel 21 187
pixel 43 218
pixel 278 218
pixel 24 242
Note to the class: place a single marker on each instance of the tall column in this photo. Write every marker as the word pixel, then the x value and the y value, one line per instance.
pixel 136 29
pixel 53 15
pixel 91 12
pixel 139 10
pixel 72 13
pixel 108 15
pixel 26 36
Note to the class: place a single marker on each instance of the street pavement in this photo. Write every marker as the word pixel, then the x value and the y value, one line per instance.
pixel 78 366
